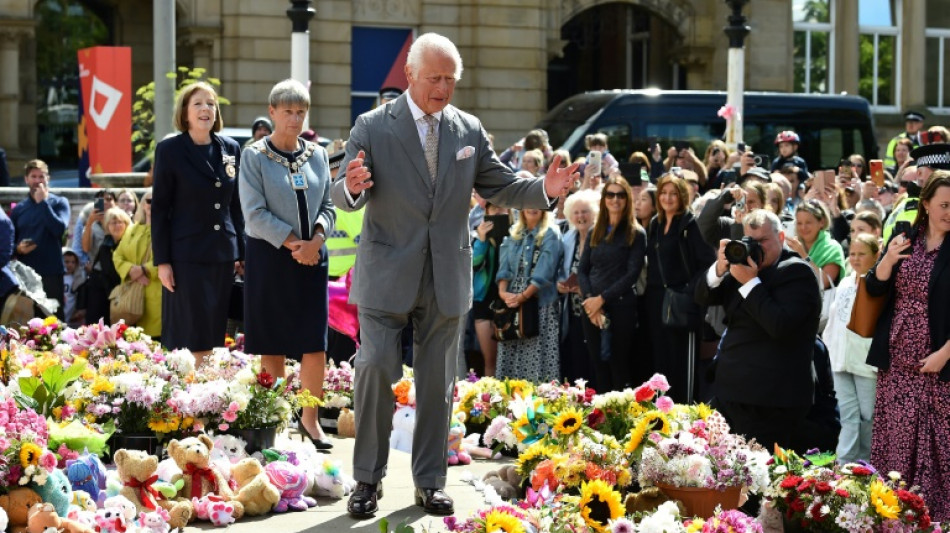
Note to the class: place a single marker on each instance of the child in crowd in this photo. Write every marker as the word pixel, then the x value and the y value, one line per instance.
pixel 73 309
pixel 787 142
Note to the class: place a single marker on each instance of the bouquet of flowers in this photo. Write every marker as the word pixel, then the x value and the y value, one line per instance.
pixel 9 363
pixel 338 385
pixel 102 342
pixel 261 401
pixel 42 334
pixel 483 400
pixel 23 454
pixel 497 519
pixel 729 521
pixel 599 457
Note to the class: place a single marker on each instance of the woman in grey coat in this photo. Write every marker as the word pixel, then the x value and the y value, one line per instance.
pixel 285 197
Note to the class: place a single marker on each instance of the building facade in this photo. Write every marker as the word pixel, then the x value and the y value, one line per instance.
pixel 521 57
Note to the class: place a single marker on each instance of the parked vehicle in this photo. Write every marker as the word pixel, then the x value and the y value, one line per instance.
pixel 830 126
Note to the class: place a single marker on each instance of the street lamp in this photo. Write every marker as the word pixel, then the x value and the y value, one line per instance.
pixel 737 30
pixel 300 13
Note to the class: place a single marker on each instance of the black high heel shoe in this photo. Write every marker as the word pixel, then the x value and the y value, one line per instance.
pixel 318 443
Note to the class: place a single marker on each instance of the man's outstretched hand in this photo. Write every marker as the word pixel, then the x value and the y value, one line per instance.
pixel 558 181
pixel 358 176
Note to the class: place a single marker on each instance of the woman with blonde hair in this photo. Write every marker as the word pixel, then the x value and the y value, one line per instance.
pixel 528 269
pixel 134 262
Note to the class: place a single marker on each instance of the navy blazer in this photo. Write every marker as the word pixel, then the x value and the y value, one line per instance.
pixel 7 280
pixel 196 211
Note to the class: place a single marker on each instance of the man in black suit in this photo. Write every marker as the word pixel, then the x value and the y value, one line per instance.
pixel 764 385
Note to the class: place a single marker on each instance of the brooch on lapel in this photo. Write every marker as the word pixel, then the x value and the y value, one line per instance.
pixel 229 164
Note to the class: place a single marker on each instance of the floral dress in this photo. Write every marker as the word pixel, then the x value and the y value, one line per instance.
pixel 912 412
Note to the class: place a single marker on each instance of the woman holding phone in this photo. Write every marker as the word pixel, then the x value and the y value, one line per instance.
pixel 485 256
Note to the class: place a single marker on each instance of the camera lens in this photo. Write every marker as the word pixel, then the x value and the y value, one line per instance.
pixel 736 252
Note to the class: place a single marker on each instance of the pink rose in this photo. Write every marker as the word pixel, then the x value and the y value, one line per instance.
pixel 664 404
pixel 223 427
pixel 659 382
pixel 48 461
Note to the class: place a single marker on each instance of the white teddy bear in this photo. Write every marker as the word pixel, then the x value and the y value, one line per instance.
pixel 404 422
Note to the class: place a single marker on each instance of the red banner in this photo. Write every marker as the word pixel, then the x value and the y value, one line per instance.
pixel 105 118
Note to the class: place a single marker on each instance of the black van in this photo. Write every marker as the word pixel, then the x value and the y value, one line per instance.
pixel 830 126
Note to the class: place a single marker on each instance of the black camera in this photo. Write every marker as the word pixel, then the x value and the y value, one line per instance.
pixel 739 251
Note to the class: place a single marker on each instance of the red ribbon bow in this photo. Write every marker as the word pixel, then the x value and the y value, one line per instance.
pixel 147 493
pixel 196 474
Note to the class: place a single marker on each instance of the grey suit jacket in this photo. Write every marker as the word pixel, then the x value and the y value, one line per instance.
pixel 269 202
pixel 408 219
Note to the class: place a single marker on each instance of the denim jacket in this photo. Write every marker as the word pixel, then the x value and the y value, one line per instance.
pixel 545 271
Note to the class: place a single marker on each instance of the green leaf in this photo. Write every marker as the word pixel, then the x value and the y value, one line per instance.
pixel 384 526
pixel 821 459
pixel 171 75
pixel 74 372
pixel 25 401
pixel 29 385
pixel 403 527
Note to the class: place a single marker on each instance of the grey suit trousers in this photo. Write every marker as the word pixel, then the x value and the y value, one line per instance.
pixel 378 365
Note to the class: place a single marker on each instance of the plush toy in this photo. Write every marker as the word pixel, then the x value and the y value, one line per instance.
pixel 87 473
pixel 346 424
pixel 291 481
pixel 155 521
pixel 506 481
pixel 136 471
pixel 329 481
pixel 3 520
pixel 86 518
pixel 167 470
pixel 457 453
pixel 404 423
pixel 83 501
pixel 56 491
pixel 17 503
pixel 648 500
pixel 124 505
pixel 255 491
pixel 193 457
pixel 212 508
pixel 42 516
pixel 229 448
pixel 111 520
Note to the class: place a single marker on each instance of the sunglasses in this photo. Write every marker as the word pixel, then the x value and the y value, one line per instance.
pixel 610 195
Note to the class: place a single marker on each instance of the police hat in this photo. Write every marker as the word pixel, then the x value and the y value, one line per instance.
pixel 389 93
pixel 261 121
pixel 935 156
pixel 915 116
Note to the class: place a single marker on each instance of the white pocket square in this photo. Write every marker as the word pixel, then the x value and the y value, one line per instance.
pixel 465 153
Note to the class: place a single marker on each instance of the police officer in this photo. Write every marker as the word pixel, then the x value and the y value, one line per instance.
pixel 343 240
pixel 913 123
pixel 928 158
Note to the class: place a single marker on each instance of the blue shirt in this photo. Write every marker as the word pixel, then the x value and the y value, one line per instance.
pixel 45 223
pixel 544 274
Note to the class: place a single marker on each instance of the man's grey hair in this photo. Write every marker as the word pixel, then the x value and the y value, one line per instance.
pixel 872 205
pixel 289 92
pixel 759 218
pixel 435 43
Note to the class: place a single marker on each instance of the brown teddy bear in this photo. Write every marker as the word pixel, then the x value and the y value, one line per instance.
pixel 42 516
pixel 17 503
pixel 648 500
pixel 193 457
pixel 136 470
pixel 346 424
pixel 506 481
pixel 255 491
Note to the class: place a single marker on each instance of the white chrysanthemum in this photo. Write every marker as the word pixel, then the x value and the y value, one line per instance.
pixel 126 380
pixel 245 376
pixel 665 520
pixel 759 470
pixel 181 361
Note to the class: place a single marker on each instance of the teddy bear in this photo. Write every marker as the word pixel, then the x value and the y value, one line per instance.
pixel 43 516
pixel 155 521
pixel 291 481
pixel 111 520
pixel 404 423
pixel 87 473
pixel 255 491
pixel 329 481
pixel 457 454
pixel 56 491
pixel 16 505
pixel 648 500
pixel 506 481
pixel 346 424
pixel 193 456
pixel 136 470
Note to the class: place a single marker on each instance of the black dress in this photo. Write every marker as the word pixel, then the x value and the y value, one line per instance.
pixel 294 295
pixel 102 280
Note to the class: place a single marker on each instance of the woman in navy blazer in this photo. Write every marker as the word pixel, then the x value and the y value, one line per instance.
pixel 197 225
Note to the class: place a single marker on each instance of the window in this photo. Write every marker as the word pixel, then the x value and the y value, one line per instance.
pixel 813 46
pixel 879 25
pixel 937 54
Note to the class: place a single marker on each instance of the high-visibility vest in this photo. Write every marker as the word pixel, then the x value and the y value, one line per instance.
pixel 343 240
pixel 906 210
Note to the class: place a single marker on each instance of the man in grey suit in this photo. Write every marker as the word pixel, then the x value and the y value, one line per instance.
pixel 413 163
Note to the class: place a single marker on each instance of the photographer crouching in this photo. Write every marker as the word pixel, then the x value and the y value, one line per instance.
pixel 763 377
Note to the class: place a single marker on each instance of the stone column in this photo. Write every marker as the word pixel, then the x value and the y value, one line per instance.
pixel 201 40
pixel 847 44
pixel 913 42
pixel 10 89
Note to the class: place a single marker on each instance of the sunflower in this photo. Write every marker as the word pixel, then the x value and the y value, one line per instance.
pixel 599 504
pixel 533 454
pixel 568 422
pixel 884 500
pixel 30 454
pixel 500 520
pixel 659 422
pixel 637 435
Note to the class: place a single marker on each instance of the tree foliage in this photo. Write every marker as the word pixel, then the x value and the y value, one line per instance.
pixel 143 109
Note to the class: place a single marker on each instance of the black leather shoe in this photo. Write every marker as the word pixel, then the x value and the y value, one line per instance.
pixel 435 501
pixel 362 503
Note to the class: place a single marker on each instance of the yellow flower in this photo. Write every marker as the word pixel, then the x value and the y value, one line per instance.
pixel 137 357
pixel 57 412
pixel 703 411
pixel 50 321
pixel 536 452
pixel 102 385
pixel 884 500
pixel 637 434
pixel 89 374
pixel 30 454
pixel 497 520
pixel 519 387
pixel 599 504
pixel 635 410
pixel 624 477
pixel 568 422
pixel 696 525
pixel 43 363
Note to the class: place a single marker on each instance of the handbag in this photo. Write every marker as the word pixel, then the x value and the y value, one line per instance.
pixel 17 309
pixel 522 322
pixel 127 300
pixel 866 310
pixel 679 309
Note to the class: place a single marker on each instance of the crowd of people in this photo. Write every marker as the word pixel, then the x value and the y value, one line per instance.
pixel 735 278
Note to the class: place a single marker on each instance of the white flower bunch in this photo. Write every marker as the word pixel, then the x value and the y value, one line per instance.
pixel 666 519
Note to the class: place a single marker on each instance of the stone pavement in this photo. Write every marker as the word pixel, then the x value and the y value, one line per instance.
pixel 397 505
